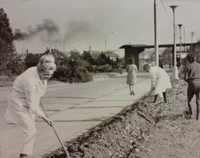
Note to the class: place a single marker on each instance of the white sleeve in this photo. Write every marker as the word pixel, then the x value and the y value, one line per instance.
pixel 136 69
pixel 153 80
pixel 33 100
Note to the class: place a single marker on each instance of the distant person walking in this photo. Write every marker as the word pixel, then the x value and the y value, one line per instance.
pixel 131 70
pixel 192 77
pixel 24 101
pixel 160 81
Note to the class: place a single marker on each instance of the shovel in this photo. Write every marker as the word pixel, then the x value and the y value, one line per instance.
pixel 64 149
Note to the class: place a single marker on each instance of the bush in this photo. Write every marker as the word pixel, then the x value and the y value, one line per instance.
pixel 81 74
pixel 32 60
pixel 71 75
pixel 15 67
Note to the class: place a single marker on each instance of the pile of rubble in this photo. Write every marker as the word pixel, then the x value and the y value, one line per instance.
pixel 142 130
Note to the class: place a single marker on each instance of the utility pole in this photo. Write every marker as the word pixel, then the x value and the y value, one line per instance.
pixel 155 36
pixel 192 35
pixel 180 25
pixel 184 37
pixel 106 38
pixel 61 38
pixel 175 69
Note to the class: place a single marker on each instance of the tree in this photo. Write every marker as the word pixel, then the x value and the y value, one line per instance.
pixel 7 48
pixel 32 59
pixel 87 56
pixel 75 59
pixel 101 60
pixel 167 56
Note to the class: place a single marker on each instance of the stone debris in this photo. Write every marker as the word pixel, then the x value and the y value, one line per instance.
pixel 143 130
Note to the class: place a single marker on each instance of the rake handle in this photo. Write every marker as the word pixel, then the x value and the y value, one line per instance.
pixel 66 152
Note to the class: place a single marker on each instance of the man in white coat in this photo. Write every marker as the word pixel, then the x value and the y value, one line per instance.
pixel 160 81
pixel 24 100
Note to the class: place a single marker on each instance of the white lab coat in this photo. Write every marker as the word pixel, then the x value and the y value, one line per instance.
pixel 159 79
pixel 23 105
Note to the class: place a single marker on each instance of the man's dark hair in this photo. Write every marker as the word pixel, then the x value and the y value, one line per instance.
pixel 191 57
pixel 131 61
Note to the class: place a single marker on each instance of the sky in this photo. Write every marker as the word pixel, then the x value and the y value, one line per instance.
pixel 80 24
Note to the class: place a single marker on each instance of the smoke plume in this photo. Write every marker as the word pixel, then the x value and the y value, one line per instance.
pixel 47 27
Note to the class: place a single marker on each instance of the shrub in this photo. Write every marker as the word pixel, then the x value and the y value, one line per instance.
pixel 81 74
pixel 71 75
pixel 32 59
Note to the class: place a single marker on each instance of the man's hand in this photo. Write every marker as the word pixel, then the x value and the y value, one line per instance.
pixel 48 120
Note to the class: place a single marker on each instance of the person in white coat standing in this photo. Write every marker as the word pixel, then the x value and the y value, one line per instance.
pixel 160 81
pixel 24 100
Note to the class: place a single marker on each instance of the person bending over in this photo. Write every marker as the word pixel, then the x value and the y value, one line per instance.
pixel 24 100
pixel 160 81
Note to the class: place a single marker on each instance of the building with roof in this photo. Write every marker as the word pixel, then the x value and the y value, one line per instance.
pixel 133 50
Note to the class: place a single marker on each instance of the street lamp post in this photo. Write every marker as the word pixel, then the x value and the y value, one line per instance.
pixel 57 41
pixel 175 69
pixel 23 47
pixel 106 38
pixel 179 25
pixel 184 37
pixel 192 35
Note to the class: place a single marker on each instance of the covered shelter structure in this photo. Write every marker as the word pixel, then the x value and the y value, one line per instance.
pixel 133 50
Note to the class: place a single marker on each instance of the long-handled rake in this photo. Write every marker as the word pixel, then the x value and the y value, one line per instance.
pixel 64 149
pixel 146 96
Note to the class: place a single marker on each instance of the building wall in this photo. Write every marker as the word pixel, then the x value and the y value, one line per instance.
pixel 133 52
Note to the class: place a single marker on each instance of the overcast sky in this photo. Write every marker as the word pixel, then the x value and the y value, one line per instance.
pixel 84 23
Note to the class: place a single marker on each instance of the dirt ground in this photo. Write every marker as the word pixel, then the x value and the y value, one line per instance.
pixel 143 130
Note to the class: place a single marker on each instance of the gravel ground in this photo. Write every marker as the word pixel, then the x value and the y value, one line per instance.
pixel 143 130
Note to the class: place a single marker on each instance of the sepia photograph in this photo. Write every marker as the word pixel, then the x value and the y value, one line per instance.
pixel 99 79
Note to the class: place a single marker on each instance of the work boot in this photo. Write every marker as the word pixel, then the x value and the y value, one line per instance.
pixel 23 156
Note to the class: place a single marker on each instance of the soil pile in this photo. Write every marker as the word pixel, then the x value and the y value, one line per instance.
pixel 143 130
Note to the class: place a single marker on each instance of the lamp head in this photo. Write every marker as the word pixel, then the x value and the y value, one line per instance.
pixel 173 6
pixel 179 25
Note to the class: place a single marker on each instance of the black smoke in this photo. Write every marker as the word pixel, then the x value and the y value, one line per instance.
pixel 47 27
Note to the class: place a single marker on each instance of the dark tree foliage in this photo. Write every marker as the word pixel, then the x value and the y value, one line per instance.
pixel 7 48
pixel 103 59
pixel 167 56
pixel 87 56
pixel 32 59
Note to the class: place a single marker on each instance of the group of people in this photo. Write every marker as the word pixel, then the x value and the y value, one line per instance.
pixel 160 80
pixel 30 86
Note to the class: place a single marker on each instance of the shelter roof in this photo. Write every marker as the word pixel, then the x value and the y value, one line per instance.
pixel 152 46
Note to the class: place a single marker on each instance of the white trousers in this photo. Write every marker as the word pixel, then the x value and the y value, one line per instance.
pixel 29 131
pixel 27 125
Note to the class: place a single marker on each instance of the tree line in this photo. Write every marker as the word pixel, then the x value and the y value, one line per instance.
pixel 72 67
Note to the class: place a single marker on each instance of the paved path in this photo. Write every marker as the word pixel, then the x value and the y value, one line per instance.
pixel 75 108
